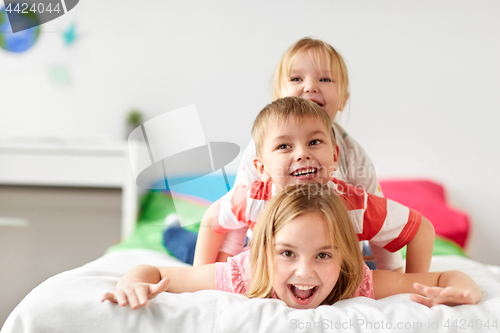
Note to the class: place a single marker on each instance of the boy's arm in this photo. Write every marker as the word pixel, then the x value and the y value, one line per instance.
pixel 145 282
pixel 386 260
pixel 209 242
pixel 228 213
pixel 386 218
pixel 222 256
pixel 419 249
pixel 449 288
pixel 234 244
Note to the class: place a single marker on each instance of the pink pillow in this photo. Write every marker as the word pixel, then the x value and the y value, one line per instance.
pixel 428 198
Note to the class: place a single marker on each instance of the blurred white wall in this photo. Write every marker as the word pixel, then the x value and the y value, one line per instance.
pixel 425 76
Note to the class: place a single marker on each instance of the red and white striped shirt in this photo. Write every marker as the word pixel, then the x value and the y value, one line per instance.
pixel 381 221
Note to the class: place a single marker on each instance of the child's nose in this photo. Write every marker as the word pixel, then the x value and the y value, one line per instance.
pixel 302 154
pixel 304 269
pixel 310 86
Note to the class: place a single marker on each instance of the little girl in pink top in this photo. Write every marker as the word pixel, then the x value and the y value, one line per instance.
pixel 304 252
pixel 234 276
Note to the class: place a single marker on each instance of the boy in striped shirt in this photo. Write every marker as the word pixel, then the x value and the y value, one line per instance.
pixel 295 146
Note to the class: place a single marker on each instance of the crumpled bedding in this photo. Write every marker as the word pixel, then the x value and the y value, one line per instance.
pixel 70 302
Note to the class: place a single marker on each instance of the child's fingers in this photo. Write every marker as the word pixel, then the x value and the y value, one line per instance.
pixel 464 297
pixel 432 291
pixel 451 295
pixel 109 297
pixel 435 295
pixel 143 294
pixel 468 297
pixel 137 295
pixel 426 290
pixel 435 292
pixel 450 292
pixel 132 297
pixel 420 287
pixel 160 287
pixel 422 300
pixel 446 292
pixel 150 291
pixel 120 297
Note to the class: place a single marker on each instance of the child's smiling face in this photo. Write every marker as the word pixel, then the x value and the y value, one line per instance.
pixel 306 263
pixel 297 153
pixel 314 82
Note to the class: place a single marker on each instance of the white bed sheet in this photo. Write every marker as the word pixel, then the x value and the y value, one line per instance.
pixel 70 302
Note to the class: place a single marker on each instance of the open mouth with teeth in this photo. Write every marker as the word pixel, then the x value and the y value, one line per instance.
pixel 303 294
pixel 305 172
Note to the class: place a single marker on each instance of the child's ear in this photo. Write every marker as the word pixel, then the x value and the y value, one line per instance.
pixel 344 102
pixel 261 169
pixel 336 157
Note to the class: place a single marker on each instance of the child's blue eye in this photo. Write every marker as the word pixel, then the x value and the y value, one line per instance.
pixel 323 255
pixel 294 79
pixel 315 142
pixel 325 80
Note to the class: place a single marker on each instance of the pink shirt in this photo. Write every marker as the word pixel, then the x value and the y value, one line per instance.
pixel 234 275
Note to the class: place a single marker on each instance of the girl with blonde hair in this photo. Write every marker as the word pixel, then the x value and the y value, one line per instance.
pixel 305 253
pixel 318 203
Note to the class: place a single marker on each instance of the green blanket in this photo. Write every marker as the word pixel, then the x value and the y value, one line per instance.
pixel 155 206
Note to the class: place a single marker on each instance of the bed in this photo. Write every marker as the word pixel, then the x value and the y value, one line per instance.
pixel 70 301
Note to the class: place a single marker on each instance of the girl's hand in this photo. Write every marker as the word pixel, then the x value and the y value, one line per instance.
pixel 137 293
pixel 436 295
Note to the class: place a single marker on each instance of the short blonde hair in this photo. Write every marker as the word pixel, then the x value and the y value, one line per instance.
pixel 283 208
pixel 322 53
pixel 283 110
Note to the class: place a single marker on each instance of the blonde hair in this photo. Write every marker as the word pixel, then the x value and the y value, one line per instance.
pixel 283 110
pixel 283 208
pixel 322 53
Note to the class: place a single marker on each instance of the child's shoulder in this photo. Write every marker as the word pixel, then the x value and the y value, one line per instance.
pixel 341 188
pixel 351 154
pixel 339 132
pixel 261 190
pixel 342 137
pixel 257 190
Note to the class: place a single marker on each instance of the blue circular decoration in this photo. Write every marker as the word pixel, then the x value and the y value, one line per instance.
pixel 20 41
